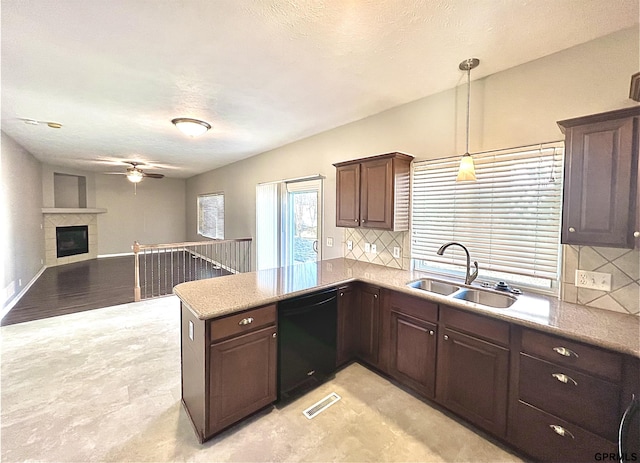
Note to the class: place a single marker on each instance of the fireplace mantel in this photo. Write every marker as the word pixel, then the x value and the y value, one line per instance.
pixel 72 210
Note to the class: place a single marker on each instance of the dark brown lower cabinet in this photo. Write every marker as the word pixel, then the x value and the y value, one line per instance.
pixel 413 333
pixel 549 438
pixel 367 326
pixel 413 353
pixel 347 311
pixel 229 367
pixel 472 379
pixel 242 377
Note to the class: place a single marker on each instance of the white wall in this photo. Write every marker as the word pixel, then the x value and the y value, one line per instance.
pixel 21 202
pixel 155 214
pixel 514 107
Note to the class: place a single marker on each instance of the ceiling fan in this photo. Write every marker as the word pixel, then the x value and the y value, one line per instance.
pixel 135 174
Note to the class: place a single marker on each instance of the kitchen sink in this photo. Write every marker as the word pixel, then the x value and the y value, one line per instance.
pixel 434 286
pixel 488 298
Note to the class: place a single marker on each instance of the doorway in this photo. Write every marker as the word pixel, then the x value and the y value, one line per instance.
pixel 288 222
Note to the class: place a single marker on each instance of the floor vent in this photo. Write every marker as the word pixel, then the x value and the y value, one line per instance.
pixel 320 406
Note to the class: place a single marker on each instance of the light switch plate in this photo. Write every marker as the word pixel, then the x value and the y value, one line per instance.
pixel 329 242
pixel 396 252
pixel 593 280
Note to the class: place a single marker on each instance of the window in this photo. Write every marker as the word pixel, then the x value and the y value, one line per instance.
pixel 211 215
pixel 509 219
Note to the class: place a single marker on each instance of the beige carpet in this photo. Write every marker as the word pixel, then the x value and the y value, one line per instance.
pixel 104 385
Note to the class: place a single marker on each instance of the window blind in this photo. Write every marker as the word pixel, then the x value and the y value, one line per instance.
pixel 509 219
pixel 211 215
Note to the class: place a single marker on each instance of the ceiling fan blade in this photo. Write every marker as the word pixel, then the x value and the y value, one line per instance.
pixel 114 173
pixel 145 174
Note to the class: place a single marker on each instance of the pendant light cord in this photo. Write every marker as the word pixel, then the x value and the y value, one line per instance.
pixel 468 103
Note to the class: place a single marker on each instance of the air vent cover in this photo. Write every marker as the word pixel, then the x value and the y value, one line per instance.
pixel 321 405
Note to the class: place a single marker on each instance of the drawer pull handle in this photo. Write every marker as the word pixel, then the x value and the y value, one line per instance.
pixel 310 373
pixel 565 352
pixel 446 338
pixel 559 430
pixel 431 332
pixel 564 378
pixel 246 321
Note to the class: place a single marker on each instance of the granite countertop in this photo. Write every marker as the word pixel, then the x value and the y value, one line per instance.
pixel 215 297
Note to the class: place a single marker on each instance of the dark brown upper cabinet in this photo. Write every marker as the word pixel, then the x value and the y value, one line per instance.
pixel 374 192
pixel 601 179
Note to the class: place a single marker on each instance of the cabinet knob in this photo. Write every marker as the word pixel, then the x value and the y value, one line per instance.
pixel 375 296
pixel 362 220
pixel 565 352
pixel 559 430
pixel 341 294
pixel 274 335
pixel 246 321
pixel 636 234
pixel 356 220
pixel 571 229
pixel 431 332
pixel 564 378
pixel 446 338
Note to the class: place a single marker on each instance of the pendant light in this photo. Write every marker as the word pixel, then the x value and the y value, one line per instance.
pixel 467 171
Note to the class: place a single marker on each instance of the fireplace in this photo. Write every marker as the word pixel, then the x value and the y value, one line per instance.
pixel 72 240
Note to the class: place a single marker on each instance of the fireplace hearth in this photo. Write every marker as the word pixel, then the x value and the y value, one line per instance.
pixel 72 240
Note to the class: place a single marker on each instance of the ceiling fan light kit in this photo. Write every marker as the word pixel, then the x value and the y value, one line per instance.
pixel 191 127
pixel 134 175
pixel 467 170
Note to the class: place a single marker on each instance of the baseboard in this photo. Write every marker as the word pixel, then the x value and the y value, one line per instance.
pixel 120 254
pixel 14 301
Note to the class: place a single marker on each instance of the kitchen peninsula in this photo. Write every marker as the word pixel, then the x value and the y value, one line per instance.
pixel 230 342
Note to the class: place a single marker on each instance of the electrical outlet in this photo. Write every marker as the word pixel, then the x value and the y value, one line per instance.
pixel 396 252
pixel 593 280
pixel 329 242
pixel 350 245
pixel 367 247
pixel 374 249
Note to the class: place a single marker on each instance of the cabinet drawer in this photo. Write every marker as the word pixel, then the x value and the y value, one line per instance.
pixel 585 400
pixel 243 322
pixel 485 327
pixel 539 434
pixel 573 354
pixel 414 306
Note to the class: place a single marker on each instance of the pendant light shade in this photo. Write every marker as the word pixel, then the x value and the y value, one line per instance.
pixel 467 171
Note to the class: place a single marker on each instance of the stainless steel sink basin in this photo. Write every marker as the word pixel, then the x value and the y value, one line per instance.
pixel 488 298
pixel 434 286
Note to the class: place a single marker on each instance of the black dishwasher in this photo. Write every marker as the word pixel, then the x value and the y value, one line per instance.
pixel 307 332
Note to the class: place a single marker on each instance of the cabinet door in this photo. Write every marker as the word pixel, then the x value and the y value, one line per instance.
pixel 348 196
pixel 242 376
pixel 413 353
pixel 472 379
pixel 368 324
pixel 347 310
pixel 376 194
pixel 599 188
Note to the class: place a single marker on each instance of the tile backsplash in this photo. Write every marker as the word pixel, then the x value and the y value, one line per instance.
pixel 384 241
pixel 622 264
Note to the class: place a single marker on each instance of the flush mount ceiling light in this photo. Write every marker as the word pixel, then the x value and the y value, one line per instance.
pixel 53 125
pixel 191 127
pixel 467 171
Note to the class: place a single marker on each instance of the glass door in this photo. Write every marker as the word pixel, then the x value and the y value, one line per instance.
pixel 302 219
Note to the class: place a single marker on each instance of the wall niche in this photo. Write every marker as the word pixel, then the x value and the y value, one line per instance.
pixel 69 191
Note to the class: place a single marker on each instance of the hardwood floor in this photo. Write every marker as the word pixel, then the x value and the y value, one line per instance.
pixel 105 282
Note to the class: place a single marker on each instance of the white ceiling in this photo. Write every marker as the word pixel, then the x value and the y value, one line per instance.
pixel 263 73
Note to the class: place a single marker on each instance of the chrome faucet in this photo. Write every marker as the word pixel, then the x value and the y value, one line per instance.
pixel 469 276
